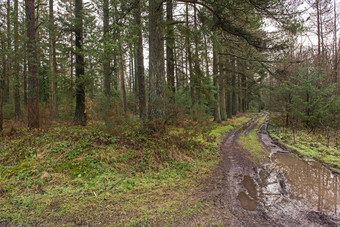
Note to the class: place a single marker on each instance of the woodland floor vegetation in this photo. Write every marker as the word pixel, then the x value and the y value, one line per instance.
pixel 85 175
pixel 252 144
pixel 317 144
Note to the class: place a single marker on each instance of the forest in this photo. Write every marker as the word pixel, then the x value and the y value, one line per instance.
pixel 169 112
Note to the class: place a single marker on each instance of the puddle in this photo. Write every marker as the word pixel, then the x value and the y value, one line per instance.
pixel 248 199
pixel 246 202
pixel 290 183
pixel 309 182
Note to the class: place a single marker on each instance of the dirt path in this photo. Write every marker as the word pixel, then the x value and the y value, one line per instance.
pixel 242 193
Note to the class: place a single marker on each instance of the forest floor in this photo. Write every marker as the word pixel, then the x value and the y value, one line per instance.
pixel 70 176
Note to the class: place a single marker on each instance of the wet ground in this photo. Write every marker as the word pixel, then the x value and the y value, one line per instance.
pixel 285 191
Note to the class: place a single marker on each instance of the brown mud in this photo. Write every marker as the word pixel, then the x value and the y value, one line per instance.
pixel 285 191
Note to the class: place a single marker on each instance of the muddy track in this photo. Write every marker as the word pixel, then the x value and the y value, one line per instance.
pixel 248 194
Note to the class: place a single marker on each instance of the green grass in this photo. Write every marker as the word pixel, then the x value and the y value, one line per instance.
pixel 252 144
pixel 310 145
pixel 220 130
pixel 69 175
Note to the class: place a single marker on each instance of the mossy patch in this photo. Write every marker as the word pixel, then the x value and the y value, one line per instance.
pixel 304 144
pixel 251 143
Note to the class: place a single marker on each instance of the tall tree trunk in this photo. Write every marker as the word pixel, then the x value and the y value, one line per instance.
pixel 72 46
pixel 33 79
pixel 335 60
pixel 222 81
pixel 156 61
pixel 318 31
pixel 140 63
pixel 106 62
pixel 234 96
pixel 243 91
pixel 16 63
pixel 217 107
pixel 170 44
pixel 53 65
pixel 122 80
pixel 79 115
pixel 197 75
pixel 206 57
pixel 189 58
pixel 7 97
pixel 2 81
pixel 25 75
pixel 229 101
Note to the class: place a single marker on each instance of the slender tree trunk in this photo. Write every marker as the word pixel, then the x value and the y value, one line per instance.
pixel 25 76
pixel 217 107
pixel 189 58
pixel 318 31
pixel 229 102
pixel 239 93
pixel 79 115
pixel 7 95
pixel 72 48
pixel 140 63
pixel 16 63
pixel 106 62
pixel 176 70
pixel 222 81
pixel 122 81
pixel 156 68
pixel 243 92
pixel 234 96
pixel 335 60
pixel 197 75
pixel 33 79
pixel 53 65
pixel 2 82
pixel 206 57
pixel 170 44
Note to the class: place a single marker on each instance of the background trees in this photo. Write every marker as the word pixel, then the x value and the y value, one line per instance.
pixel 202 58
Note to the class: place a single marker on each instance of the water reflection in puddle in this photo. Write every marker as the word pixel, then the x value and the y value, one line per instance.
pixel 309 182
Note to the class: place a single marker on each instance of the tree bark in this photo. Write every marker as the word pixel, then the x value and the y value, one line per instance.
pixel 79 115
pixel 336 54
pixel 9 56
pixel 106 62
pixel 2 82
pixel 122 81
pixel 243 92
pixel 53 65
pixel 16 63
pixel 318 31
pixel 217 107
pixel 71 52
pixel 25 76
pixel 140 63
pixel 170 43
pixel 156 60
pixel 234 96
pixel 222 81
pixel 33 79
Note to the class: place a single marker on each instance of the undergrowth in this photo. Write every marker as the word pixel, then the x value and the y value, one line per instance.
pixel 252 144
pixel 311 144
pixel 70 175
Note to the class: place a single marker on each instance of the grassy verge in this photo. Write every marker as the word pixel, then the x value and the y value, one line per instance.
pixel 309 144
pixel 67 175
pixel 252 144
